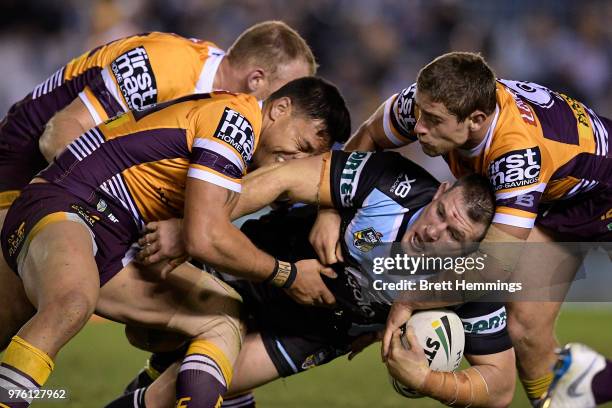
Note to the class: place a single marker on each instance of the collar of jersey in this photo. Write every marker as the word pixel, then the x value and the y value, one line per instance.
pixel 486 141
pixel 209 70
pixel 415 216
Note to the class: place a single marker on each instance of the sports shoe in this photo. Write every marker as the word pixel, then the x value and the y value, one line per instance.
pixel 576 366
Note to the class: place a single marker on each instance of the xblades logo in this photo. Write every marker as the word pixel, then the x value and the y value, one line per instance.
pixel 402 185
pixel 516 168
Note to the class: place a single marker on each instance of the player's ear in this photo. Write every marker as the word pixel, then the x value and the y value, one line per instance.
pixel 280 107
pixel 444 187
pixel 256 80
pixel 476 120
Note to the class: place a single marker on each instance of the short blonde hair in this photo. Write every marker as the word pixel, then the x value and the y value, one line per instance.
pixel 271 44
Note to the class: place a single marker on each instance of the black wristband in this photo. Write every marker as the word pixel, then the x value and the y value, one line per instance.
pixel 283 275
pixel 291 277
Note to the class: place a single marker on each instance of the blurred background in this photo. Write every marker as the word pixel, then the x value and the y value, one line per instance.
pixel 369 48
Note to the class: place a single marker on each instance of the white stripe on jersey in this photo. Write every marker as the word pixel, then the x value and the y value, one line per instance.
pixel 513 220
pixel 387 121
pixel 115 187
pixel 222 149
pixel 209 70
pixel 49 84
pixel 92 111
pixel 214 179
pixel 536 187
pixel 110 84
pixel 85 144
pixel 600 132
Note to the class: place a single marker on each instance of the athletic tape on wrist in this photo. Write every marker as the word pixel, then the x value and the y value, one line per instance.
pixel 283 275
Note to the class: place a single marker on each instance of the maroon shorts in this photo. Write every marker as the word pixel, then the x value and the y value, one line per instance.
pixel 113 229
pixel 21 129
pixel 20 161
pixel 587 219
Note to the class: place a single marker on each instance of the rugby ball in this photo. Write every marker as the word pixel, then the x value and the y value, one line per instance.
pixel 440 333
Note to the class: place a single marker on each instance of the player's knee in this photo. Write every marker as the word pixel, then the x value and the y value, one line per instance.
pixel 223 328
pixel 527 332
pixel 70 310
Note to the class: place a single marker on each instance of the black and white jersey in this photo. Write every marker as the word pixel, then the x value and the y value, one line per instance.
pixel 378 196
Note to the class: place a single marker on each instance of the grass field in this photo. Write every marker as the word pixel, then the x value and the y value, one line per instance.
pixel 96 365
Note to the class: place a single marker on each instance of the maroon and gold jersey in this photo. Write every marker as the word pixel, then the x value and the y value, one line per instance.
pixel 130 73
pixel 140 71
pixel 142 159
pixel 542 146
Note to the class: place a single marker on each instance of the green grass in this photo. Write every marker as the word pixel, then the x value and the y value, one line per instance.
pixel 98 363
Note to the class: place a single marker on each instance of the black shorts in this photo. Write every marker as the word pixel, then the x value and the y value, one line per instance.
pixel 113 229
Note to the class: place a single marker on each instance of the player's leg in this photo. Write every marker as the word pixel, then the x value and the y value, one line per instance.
pixel 531 324
pixel 61 279
pixel 166 348
pixel 583 377
pixel 16 309
pixel 20 161
pixel 189 302
pixel 253 367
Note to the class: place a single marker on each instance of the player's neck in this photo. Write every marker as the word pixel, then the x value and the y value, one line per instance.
pixel 226 78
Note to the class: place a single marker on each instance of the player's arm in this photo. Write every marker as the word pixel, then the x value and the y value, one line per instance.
pixel 301 180
pixel 211 238
pixel 65 126
pixel 390 126
pixel 489 382
pixel 371 135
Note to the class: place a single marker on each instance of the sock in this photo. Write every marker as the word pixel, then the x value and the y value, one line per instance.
pixel 535 389
pixel 602 384
pixel 204 376
pixel 156 364
pixel 134 399
pixel 24 367
pixel 244 400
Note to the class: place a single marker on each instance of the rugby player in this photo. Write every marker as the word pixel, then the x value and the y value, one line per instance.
pixel 548 159
pixel 71 234
pixel 130 73
pixel 383 198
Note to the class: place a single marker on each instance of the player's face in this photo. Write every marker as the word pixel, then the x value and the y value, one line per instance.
pixel 286 135
pixel 437 129
pixel 283 75
pixel 443 224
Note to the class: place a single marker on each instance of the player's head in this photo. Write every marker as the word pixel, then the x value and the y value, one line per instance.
pixel 458 214
pixel 455 96
pixel 268 55
pixel 303 118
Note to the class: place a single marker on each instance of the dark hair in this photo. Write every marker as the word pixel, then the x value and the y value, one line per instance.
pixel 461 81
pixel 479 198
pixel 317 98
